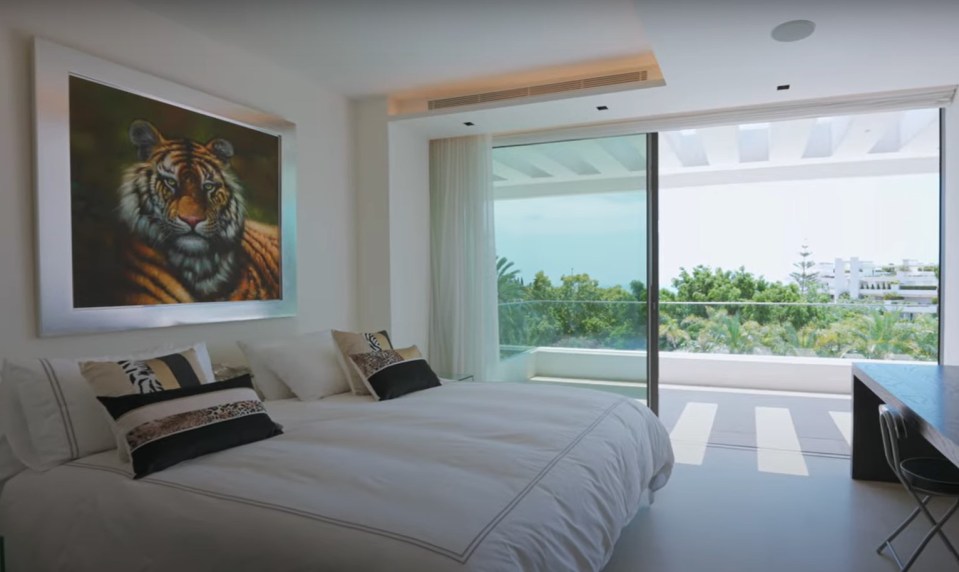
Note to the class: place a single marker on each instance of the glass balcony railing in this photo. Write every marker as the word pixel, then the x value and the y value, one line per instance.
pixel 854 330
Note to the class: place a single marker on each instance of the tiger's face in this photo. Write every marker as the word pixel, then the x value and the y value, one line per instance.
pixel 183 199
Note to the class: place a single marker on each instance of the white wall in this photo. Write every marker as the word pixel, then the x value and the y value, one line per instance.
pixel 393 236
pixel 135 37
pixel 410 293
pixel 371 144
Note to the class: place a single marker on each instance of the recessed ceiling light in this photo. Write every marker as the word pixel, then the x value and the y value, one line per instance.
pixel 602 107
pixel 793 30
pixel 468 123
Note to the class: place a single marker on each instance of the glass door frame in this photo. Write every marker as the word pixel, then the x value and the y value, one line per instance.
pixel 652 238
pixel 652 271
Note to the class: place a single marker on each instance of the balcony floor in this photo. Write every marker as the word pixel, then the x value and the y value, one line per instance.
pixel 780 426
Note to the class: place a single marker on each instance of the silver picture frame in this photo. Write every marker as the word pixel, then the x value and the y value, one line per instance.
pixel 53 66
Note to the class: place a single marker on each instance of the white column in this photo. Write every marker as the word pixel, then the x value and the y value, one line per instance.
pixel 839 278
pixel 854 277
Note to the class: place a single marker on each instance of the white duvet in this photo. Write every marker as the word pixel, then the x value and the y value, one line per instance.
pixel 467 476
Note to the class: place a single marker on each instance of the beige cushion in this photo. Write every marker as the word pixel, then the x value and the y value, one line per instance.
pixel 350 343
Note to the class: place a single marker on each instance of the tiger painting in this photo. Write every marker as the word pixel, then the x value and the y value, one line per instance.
pixel 189 238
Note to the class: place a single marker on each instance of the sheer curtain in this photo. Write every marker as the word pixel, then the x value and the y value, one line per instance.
pixel 464 323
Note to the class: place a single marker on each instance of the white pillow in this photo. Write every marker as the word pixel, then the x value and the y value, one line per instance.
pixel 10 465
pixel 265 381
pixel 49 413
pixel 307 365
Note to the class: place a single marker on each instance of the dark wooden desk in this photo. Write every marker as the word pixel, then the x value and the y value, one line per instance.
pixel 928 398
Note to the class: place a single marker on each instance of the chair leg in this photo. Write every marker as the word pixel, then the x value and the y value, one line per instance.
pixel 936 529
pixel 905 523
pixel 941 522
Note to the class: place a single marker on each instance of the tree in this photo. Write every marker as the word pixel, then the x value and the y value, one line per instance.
pixel 721 332
pixel 805 277
pixel 881 333
pixel 509 285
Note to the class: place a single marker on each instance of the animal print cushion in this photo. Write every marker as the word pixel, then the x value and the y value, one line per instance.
pixel 393 373
pixel 160 429
pixel 350 343
pixel 124 377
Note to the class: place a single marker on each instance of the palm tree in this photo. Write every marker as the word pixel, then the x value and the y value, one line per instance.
pixel 925 333
pixel 672 335
pixel 724 333
pixel 509 285
pixel 837 339
pixel 880 334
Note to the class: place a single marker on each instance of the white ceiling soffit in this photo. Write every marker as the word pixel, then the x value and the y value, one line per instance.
pixel 720 56
pixel 375 47
pixel 825 107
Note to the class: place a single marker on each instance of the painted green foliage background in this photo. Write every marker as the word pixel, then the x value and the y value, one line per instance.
pixel 100 151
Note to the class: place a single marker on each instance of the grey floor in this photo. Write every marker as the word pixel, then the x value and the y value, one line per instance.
pixel 735 422
pixel 726 511
pixel 725 515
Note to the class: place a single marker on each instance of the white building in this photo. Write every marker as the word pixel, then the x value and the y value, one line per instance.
pixel 910 283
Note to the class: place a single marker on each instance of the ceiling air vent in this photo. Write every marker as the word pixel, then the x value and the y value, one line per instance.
pixel 543 89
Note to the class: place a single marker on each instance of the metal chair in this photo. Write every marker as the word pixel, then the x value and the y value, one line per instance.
pixel 924 478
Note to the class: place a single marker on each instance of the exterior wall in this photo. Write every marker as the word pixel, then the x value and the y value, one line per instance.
pixel 816 375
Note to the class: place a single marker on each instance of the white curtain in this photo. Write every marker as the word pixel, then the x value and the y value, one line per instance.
pixel 464 322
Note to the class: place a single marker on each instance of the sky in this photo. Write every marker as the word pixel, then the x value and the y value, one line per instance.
pixel 761 226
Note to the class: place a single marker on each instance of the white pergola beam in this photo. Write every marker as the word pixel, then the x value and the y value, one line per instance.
pixel 721 144
pixel 538 159
pixel 926 142
pixel 668 159
pixel 787 140
pixel 714 177
pixel 594 154
pixel 508 173
pixel 547 188
pixel 803 171
pixel 864 132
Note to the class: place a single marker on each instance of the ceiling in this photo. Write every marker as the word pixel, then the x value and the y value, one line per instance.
pixel 717 55
pixel 872 144
pixel 372 47
pixel 713 54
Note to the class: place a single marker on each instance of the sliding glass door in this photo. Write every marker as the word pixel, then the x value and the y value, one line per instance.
pixel 576 259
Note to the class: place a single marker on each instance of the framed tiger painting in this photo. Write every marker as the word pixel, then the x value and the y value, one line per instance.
pixel 157 204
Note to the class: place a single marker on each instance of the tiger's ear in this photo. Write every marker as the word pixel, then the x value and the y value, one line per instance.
pixel 222 148
pixel 144 137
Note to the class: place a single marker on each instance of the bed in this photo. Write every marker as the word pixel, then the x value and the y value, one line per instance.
pixel 466 476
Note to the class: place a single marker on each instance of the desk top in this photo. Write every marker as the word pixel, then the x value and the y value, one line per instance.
pixel 926 393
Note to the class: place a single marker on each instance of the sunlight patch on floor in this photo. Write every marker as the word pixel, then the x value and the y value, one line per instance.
pixel 778 445
pixel 691 433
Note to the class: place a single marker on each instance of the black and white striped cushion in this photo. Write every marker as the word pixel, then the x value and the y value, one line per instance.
pixel 163 428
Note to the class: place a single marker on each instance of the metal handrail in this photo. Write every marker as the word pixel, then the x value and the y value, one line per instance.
pixel 733 303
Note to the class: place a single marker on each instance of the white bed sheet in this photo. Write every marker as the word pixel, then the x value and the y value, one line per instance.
pixel 467 476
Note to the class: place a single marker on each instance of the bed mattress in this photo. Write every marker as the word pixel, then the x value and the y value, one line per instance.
pixel 466 476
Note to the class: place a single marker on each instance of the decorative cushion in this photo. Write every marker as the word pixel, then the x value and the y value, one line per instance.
pixel 111 378
pixel 350 343
pixel 163 428
pixel 48 413
pixel 393 373
pixel 308 365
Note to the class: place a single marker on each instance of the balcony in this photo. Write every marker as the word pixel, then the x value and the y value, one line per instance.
pixel 805 347
pixel 769 377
